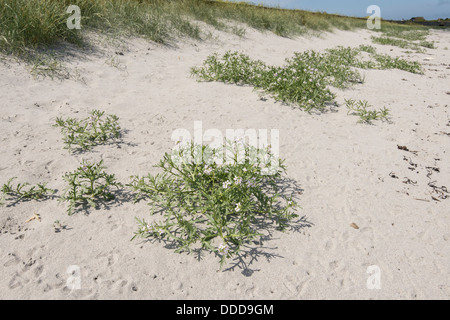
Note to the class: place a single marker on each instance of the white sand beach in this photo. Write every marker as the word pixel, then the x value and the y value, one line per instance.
pixel 365 202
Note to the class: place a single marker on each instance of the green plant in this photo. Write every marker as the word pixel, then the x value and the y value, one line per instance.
pixel 360 108
pixel 304 80
pixel 46 65
pixel 89 132
pixel 404 44
pixel 393 42
pixel 239 31
pixel 367 48
pixel 296 83
pixel 218 207
pixel 30 23
pixel 88 185
pixel 427 44
pixel 334 65
pixel 384 61
pixel 410 34
pixel 405 37
pixel 24 191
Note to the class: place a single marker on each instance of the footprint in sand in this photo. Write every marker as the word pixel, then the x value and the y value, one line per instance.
pixel 28 270
pixel 297 286
pixel 13 260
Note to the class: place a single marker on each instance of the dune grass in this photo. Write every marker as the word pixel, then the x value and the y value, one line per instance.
pixel 405 36
pixel 28 24
pixel 32 23
pixel 30 28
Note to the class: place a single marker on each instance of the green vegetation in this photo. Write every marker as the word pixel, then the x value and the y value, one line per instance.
pixel 30 24
pixel 407 33
pixel 360 108
pixel 24 191
pixel 89 132
pixel 27 24
pixel 88 185
pixel 385 61
pixel 218 206
pixel 31 29
pixel 305 79
pixel 406 37
pixel 404 44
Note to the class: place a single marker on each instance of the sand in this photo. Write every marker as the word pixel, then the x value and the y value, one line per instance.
pixel 345 173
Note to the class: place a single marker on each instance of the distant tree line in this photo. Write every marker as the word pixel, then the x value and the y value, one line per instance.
pixel 421 20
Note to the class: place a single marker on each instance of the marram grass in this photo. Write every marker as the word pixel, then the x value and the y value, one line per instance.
pixel 29 27
pixel 26 24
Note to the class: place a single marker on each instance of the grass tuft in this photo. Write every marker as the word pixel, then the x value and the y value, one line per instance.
pixel 30 25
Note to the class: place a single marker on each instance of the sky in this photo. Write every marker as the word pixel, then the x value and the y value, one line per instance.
pixel 390 9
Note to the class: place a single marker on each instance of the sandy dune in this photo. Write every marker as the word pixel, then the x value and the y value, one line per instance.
pixel 345 172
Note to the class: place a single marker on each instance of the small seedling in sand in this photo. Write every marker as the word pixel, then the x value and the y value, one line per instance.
pixel 88 185
pixel 24 191
pixel 89 132
pixel 58 227
pixel 360 108
pixel 214 207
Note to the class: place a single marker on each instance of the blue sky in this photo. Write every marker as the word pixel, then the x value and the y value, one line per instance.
pixel 390 9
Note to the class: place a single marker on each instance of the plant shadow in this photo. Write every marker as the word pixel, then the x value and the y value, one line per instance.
pixel 121 196
pixel 16 200
pixel 250 254
pixel 116 142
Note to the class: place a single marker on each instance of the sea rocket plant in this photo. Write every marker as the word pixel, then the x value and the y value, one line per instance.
pixel 203 204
